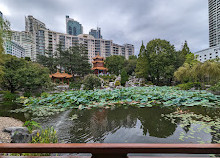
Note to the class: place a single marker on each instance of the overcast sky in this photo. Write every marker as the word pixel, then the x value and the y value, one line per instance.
pixel 123 21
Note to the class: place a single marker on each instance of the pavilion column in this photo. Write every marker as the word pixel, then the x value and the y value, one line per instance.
pixel 68 81
pixel 62 81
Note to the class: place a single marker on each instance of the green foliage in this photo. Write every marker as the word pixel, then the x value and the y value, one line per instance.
pixel 75 85
pixel 189 85
pixel 23 75
pixel 27 94
pixel 124 77
pixel 158 61
pixel 73 60
pixel 115 64
pixel 216 87
pixel 46 136
pixel 32 125
pixel 194 71
pixel 108 78
pixel 133 96
pixel 130 64
pixel 8 96
pixel 142 65
pixel 91 81
pixel 117 83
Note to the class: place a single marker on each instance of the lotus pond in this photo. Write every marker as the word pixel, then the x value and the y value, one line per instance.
pixel 129 115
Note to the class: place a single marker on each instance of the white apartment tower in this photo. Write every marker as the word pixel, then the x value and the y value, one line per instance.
pixel 214 23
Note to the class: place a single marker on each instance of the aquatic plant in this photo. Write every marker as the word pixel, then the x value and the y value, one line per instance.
pixel 132 96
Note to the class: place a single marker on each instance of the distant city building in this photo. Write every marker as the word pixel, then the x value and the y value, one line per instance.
pixel 214 33
pixel 47 40
pixel 33 26
pixel 96 33
pixel 207 54
pixel 214 23
pixel 25 39
pixel 14 49
pixel 73 27
pixel 1 15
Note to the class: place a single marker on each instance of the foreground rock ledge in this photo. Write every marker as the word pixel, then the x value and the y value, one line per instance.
pixel 6 122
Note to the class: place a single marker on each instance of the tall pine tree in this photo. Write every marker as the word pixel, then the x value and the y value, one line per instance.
pixel 142 63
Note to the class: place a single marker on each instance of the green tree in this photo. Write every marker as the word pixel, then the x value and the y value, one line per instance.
pixel 161 56
pixel 20 74
pixel 5 34
pixel 142 65
pixel 124 77
pixel 130 64
pixel 115 64
pixel 91 81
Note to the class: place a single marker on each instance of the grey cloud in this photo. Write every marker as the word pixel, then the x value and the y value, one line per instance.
pixel 123 21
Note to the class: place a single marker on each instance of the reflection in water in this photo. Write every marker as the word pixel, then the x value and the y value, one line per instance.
pixel 120 125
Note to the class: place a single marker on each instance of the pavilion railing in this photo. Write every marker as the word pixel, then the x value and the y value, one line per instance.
pixel 112 150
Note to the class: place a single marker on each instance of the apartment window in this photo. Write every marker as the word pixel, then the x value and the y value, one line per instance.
pixel 205 58
pixel 210 54
pixel 205 55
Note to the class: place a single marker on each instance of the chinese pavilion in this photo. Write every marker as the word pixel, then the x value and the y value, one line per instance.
pixel 61 76
pixel 98 65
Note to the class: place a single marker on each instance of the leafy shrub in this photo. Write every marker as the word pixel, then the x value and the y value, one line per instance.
pixel 27 94
pixel 45 95
pixel 149 83
pixel 91 81
pixel 189 85
pixel 117 83
pixel 75 85
pixel 8 96
pixel 124 77
pixel 32 125
pixel 46 136
pixel 216 87
pixel 109 78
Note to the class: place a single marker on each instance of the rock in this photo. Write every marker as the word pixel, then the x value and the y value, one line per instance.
pixel 12 130
pixel 82 86
pixel 20 134
pixel 20 137
pixel 112 84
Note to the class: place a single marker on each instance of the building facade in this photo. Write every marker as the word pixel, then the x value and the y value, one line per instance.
pixel 214 23
pixel 24 39
pixel 214 33
pixel 207 54
pixel 14 49
pixel 96 33
pixel 73 27
pixel 45 40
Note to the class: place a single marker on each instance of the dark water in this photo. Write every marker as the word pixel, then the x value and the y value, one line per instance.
pixel 123 125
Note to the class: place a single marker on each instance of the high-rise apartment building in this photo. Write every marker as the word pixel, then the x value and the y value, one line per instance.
pixel 214 23
pixel 33 26
pixel 14 49
pixel 96 33
pixel 24 39
pixel 47 40
pixel 73 27
pixel 214 33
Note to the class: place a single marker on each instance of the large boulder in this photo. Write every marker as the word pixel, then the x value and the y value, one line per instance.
pixel 20 134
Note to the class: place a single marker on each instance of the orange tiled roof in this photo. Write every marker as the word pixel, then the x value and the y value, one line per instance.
pixel 99 68
pixel 60 75
pixel 98 57
pixel 98 62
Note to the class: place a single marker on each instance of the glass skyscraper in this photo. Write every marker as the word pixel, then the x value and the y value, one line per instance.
pixel 96 33
pixel 73 27
pixel 214 23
